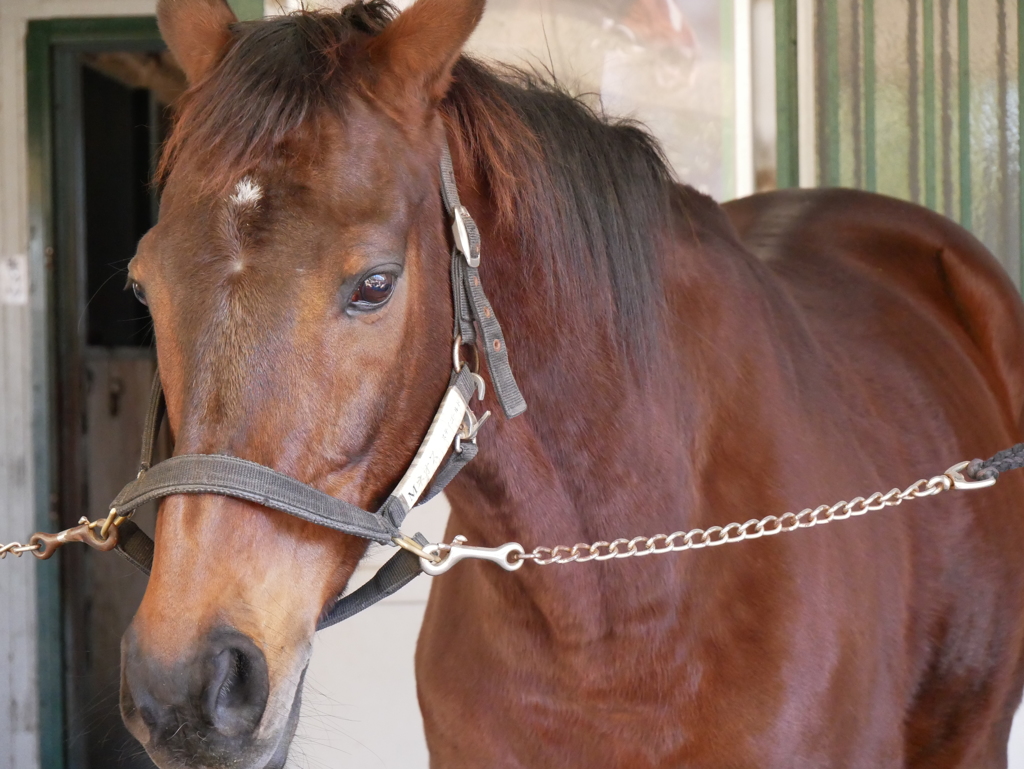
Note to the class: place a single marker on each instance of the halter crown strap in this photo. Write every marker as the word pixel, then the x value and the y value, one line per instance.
pixel 471 302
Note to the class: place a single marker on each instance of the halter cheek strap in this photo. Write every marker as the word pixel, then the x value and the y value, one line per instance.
pixel 470 302
pixel 450 443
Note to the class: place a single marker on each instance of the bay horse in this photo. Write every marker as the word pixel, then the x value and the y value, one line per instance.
pixel 685 364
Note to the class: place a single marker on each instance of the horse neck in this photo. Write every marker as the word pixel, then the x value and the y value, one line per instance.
pixel 609 448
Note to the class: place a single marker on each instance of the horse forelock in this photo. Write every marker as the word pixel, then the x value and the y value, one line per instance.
pixel 276 75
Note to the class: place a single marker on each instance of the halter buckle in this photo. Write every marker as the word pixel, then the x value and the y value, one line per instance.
pixel 470 427
pixel 460 215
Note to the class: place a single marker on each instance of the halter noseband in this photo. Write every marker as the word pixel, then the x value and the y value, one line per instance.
pixel 452 432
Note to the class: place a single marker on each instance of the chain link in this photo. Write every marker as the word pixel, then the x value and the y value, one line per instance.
pixel 770 525
pixel 102 534
pixel 18 549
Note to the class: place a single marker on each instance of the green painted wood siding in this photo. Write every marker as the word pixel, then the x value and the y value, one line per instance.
pixel 247 10
pixel 788 147
pixel 920 99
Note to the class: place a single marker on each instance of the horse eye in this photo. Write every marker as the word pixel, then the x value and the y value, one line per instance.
pixel 373 292
pixel 139 293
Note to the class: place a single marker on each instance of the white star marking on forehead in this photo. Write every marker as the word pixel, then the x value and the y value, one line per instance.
pixel 241 206
pixel 247 193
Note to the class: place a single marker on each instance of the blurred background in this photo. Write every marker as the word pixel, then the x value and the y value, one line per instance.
pixel 918 99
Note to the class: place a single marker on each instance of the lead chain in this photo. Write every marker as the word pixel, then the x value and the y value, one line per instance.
pixel 16 548
pixel 755 528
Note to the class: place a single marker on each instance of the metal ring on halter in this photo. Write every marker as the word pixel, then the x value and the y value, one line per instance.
pixel 457 356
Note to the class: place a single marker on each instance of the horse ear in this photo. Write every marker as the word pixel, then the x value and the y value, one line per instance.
pixel 416 52
pixel 196 32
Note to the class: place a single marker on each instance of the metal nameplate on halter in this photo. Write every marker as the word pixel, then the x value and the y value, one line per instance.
pixel 440 438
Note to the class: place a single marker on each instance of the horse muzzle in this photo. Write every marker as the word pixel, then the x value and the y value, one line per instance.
pixel 208 711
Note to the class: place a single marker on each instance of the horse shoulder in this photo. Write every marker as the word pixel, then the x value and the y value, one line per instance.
pixel 934 261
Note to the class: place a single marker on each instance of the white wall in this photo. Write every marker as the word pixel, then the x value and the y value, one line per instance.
pixel 367 717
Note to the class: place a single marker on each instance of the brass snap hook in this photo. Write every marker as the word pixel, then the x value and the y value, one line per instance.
pixel 85 533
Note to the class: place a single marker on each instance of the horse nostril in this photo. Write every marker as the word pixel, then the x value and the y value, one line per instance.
pixel 238 684
pixel 140 721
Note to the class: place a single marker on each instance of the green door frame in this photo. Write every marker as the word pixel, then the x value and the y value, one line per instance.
pixel 44 36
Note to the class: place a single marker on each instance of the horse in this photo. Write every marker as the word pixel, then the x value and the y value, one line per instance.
pixel 686 364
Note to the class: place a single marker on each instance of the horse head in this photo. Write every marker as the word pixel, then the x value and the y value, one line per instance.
pixel 298 283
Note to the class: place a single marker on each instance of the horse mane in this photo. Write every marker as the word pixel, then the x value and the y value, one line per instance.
pixel 588 198
pixel 585 198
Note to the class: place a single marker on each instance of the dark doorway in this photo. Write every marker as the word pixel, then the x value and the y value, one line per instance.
pixel 110 114
pixel 120 127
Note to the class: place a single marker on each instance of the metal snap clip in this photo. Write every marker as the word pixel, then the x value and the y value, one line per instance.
pixel 459 551
pixel 961 481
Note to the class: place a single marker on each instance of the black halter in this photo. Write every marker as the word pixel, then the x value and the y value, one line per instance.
pixel 453 433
